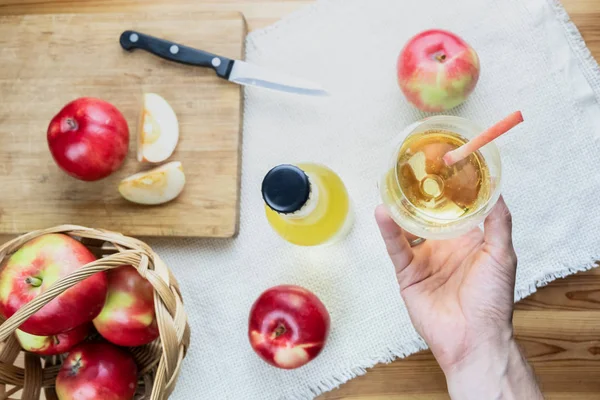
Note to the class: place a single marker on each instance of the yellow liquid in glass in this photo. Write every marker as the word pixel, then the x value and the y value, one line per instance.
pixel 329 218
pixel 435 191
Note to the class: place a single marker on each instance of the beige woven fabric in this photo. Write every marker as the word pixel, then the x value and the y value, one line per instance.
pixel 532 59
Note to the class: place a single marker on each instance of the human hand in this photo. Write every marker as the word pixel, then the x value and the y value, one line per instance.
pixel 459 294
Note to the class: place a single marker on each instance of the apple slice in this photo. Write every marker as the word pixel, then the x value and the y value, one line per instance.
pixel 158 130
pixel 156 186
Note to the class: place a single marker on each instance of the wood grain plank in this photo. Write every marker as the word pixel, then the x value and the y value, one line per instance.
pixel 409 377
pixel 258 13
pixel 577 292
pixel 40 72
pixel 444 396
pixel 562 346
pixel 581 6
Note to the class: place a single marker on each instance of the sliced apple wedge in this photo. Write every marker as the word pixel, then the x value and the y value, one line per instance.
pixel 158 130
pixel 156 186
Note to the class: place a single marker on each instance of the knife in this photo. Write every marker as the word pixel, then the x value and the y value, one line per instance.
pixel 236 71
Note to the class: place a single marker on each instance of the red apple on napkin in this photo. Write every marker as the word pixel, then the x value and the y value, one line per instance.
pixel 88 138
pixel 288 326
pixel 127 318
pixel 437 70
pixel 33 268
pixel 94 371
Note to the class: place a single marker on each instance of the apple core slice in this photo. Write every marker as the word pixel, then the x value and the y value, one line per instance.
pixel 156 186
pixel 158 130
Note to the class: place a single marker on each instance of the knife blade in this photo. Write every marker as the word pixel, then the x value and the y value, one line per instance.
pixel 236 71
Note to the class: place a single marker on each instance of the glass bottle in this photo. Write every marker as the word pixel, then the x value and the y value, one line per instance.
pixel 307 204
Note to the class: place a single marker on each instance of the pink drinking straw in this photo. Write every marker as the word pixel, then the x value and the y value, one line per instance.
pixel 485 137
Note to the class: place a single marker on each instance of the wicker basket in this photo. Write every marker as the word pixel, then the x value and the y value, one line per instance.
pixel 159 362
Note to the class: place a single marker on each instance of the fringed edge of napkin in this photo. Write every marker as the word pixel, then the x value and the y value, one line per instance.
pixel 590 67
pixel 591 71
pixel 402 350
pixel 552 276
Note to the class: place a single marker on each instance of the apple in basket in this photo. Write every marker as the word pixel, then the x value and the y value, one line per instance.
pixel 94 371
pixel 88 138
pixel 288 326
pixel 437 70
pixel 33 268
pixel 55 344
pixel 128 317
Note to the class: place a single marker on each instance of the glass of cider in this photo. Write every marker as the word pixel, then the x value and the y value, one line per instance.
pixel 430 199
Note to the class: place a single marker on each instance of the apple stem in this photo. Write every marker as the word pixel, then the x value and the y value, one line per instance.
pixel 72 124
pixel 33 281
pixel 280 330
pixel 440 57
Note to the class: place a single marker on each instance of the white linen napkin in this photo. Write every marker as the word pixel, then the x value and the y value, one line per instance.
pixel 533 59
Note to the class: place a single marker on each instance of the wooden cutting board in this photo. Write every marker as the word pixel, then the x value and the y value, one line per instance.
pixel 48 60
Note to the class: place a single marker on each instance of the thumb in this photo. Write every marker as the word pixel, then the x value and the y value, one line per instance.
pixel 498 226
pixel 498 234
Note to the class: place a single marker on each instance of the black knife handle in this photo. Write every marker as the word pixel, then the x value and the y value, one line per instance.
pixel 171 51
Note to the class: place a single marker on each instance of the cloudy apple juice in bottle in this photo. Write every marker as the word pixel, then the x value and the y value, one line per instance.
pixel 307 204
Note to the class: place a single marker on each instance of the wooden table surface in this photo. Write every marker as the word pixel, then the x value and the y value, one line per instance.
pixel 559 326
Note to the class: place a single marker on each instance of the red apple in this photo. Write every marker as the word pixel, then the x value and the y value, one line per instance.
pixel 33 268
pixel 95 371
pixel 437 70
pixel 53 345
pixel 288 326
pixel 128 318
pixel 88 138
